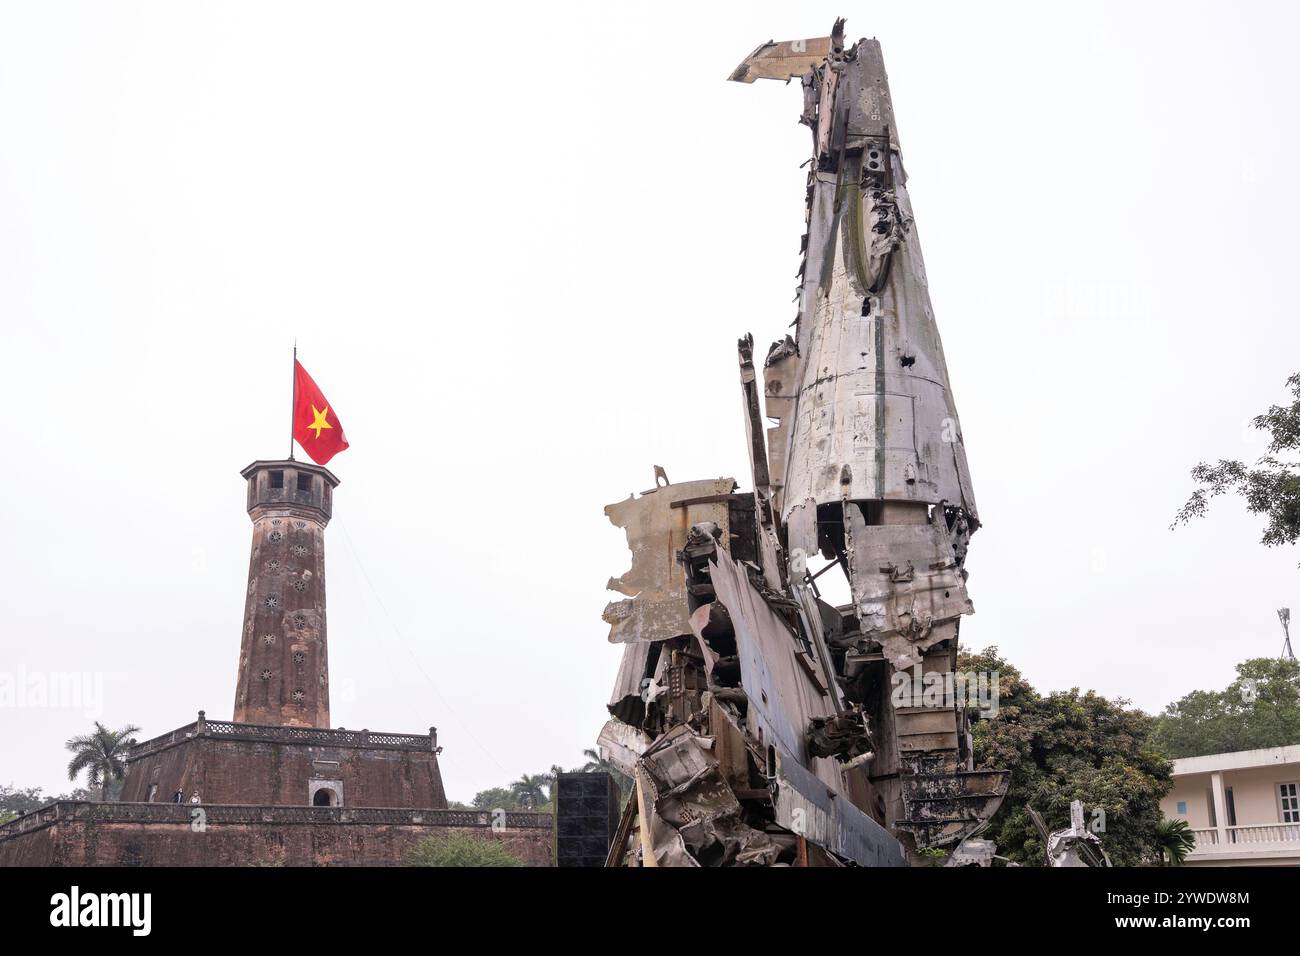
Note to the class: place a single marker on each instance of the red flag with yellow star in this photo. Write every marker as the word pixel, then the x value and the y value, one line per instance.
pixel 315 426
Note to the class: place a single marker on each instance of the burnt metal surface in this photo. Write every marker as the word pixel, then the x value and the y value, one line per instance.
pixel 755 718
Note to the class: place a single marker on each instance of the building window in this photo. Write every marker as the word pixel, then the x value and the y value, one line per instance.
pixel 1182 808
pixel 277 479
pixel 1289 797
pixel 304 483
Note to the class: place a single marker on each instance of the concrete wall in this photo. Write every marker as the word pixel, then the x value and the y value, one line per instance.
pixel 78 842
pixel 1192 790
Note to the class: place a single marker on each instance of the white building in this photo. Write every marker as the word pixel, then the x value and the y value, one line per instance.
pixel 1244 807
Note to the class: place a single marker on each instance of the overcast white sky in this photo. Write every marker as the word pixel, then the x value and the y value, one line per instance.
pixel 517 243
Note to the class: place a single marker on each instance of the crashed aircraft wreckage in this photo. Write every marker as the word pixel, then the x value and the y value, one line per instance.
pixel 757 720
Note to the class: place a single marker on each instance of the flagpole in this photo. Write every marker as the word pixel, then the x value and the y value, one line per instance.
pixel 294 405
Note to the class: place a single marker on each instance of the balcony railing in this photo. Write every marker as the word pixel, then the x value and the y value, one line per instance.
pixel 1248 838
pixel 1265 833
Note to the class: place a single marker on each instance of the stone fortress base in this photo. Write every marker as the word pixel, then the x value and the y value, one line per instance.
pixel 165 834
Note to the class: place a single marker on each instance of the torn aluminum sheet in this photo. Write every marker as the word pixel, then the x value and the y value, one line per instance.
pixel 690 794
pixel 826 817
pixel 782 61
pixel 622 745
pixel 783 697
pixel 906 584
pixel 627 702
pixel 973 852
pixel 1075 846
pixel 656 605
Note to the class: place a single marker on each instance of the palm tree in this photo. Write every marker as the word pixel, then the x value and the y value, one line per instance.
pixel 595 763
pixel 1174 840
pixel 530 789
pixel 102 755
pixel 552 776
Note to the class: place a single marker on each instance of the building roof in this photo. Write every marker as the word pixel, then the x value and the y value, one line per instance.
pixel 1240 760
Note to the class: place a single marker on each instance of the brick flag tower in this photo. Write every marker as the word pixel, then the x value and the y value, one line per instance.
pixel 280 750
pixel 283 659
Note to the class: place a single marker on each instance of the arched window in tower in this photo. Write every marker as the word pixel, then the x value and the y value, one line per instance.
pixel 323 798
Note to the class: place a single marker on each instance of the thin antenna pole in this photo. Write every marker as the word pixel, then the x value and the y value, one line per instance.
pixel 1284 615
pixel 294 404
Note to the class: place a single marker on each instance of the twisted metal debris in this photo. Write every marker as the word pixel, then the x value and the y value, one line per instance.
pixel 757 719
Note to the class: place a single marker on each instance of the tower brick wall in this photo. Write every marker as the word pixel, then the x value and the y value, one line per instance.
pixel 283 659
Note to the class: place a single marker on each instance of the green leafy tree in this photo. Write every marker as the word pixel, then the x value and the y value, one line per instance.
pixel 1270 487
pixel 102 755
pixel 82 795
pixel 1174 840
pixel 461 849
pixel 496 797
pixel 16 802
pixel 530 790
pixel 1260 709
pixel 1068 746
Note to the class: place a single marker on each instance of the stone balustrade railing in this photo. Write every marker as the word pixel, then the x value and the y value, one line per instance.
pixel 1246 837
pixel 183 813
pixel 1264 833
pixel 320 736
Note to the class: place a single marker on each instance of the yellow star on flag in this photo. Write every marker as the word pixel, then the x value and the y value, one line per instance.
pixel 320 421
